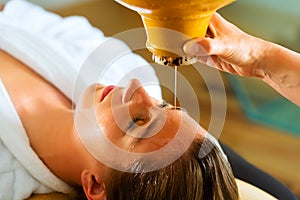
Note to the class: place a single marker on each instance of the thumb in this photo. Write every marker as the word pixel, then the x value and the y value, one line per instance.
pixel 202 47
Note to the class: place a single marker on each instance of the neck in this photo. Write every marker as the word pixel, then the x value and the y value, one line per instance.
pixel 54 139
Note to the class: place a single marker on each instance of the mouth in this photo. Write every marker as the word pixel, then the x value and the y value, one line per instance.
pixel 106 91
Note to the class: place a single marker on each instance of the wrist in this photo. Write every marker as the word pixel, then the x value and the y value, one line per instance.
pixel 263 60
pixel 280 67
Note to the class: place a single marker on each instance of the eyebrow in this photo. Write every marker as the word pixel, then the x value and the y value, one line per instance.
pixel 165 104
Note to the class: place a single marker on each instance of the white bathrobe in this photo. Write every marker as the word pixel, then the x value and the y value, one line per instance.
pixel 55 48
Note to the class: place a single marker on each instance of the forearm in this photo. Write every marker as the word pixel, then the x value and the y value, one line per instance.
pixel 1 7
pixel 281 70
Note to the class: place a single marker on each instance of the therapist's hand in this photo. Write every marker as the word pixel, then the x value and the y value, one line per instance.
pixel 1 7
pixel 229 49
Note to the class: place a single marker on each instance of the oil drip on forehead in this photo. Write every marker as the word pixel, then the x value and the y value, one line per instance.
pixel 97 144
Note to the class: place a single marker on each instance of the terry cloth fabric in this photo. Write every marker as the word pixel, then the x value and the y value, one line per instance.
pixel 55 48
pixel 21 171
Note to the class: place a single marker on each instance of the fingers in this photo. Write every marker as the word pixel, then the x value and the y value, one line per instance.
pixel 211 27
pixel 210 45
pixel 204 46
pixel 216 24
pixel 217 19
pixel 193 48
pixel 216 62
pixel 221 25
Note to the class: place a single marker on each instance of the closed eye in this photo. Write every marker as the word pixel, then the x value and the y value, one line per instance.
pixel 134 121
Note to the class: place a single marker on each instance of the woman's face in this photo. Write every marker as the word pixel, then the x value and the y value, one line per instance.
pixel 135 122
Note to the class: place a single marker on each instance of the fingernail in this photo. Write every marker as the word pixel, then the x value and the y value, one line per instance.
pixel 202 59
pixel 193 48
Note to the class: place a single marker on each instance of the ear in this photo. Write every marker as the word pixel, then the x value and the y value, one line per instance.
pixel 93 186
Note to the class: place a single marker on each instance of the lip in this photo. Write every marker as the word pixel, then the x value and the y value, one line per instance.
pixel 106 91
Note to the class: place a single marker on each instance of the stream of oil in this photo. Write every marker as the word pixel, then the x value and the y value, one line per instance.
pixel 175 86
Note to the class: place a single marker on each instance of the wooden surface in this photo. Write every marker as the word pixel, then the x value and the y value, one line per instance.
pixel 274 151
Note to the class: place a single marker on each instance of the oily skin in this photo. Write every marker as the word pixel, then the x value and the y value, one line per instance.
pixel 47 138
pixel 52 132
pixel 139 105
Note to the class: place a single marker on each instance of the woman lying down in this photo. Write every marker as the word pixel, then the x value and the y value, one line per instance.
pixel 112 142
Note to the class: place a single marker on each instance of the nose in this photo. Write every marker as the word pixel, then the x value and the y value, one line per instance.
pixel 136 94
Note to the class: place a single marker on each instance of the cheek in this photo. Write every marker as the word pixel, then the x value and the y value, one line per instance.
pixel 112 132
pixel 115 135
pixel 112 128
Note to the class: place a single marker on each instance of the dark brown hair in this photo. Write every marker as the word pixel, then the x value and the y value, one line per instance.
pixel 202 173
